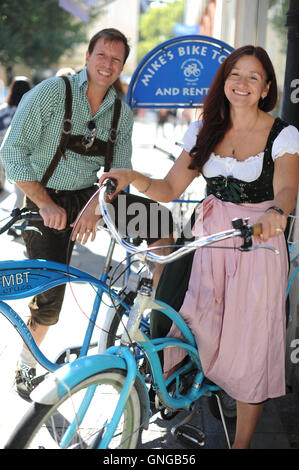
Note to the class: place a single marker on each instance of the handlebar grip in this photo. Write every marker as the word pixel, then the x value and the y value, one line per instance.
pixel 257 229
pixel 111 185
pixel 33 216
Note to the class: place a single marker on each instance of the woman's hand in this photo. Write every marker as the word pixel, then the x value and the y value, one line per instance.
pixel 123 177
pixel 273 223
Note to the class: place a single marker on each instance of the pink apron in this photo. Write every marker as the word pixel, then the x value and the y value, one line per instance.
pixel 235 307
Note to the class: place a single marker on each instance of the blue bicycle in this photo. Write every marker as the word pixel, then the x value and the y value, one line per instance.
pixel 24 278
pixel 102 401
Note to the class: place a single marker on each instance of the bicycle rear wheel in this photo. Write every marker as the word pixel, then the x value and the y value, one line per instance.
pixel 115 323
pixel 228 404
pixel 45 426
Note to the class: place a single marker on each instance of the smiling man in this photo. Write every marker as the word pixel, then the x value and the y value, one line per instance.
pixel 64 131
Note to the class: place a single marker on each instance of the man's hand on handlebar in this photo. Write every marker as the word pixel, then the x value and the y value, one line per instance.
pixel 53 216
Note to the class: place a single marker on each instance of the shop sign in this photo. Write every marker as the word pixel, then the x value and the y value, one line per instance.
pixel 177 73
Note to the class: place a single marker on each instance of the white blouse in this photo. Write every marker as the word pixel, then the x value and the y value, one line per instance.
pixel 247 170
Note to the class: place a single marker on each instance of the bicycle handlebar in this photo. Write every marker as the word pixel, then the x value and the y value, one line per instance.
pixel 169 154
pixel 19 214
pixel 240 229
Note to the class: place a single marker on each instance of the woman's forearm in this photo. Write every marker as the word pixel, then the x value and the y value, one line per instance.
pixel 163 190
pixel 157 189
pixel 286 200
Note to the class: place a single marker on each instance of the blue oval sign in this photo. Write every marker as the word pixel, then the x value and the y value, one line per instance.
pixel 177 73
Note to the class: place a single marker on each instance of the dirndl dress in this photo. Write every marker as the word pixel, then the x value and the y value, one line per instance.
pixel 235 307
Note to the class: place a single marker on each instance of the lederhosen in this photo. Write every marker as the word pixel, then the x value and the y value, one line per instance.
pixel 175 277
pixel 55 245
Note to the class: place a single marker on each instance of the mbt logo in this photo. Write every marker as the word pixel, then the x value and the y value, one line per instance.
pixel 15 282
pixel 15 279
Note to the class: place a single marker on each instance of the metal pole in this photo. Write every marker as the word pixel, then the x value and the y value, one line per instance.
pixel 290 105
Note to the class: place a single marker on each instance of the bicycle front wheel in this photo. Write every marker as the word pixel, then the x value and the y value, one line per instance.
pixel 62 426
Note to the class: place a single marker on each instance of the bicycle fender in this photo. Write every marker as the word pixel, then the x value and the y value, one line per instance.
pixel 57 384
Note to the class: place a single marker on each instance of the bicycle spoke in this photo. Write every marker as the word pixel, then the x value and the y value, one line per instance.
pixel 82 417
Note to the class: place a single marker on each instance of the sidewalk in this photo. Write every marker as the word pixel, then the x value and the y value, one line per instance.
pixel 279 425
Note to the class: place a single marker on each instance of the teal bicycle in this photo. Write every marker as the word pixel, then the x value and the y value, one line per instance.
pixel 25 278
pixel 102 401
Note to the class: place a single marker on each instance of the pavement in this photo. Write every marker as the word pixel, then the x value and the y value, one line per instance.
pixel 278 427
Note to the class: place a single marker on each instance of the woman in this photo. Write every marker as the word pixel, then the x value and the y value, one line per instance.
pixel 235 303
pixel 17 88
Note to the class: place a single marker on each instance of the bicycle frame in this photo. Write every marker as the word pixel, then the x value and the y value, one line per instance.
pixel 58 384
pixel 20 279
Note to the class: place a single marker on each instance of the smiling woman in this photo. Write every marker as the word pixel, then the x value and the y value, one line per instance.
pixel 250 163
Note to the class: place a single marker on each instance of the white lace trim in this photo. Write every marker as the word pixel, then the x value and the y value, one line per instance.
pixel 287 149
pixel 251 159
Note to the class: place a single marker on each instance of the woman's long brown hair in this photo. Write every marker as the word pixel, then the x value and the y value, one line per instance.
pixel 216 113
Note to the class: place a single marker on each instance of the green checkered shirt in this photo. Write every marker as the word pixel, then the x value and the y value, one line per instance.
pixel 35 131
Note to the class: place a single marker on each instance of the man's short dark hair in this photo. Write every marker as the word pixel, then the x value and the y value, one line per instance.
pixel 110 34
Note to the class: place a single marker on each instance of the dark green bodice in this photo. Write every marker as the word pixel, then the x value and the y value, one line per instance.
pixel 234 190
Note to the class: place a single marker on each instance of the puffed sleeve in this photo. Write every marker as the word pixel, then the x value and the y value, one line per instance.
pixel 287 141
pixel 189 139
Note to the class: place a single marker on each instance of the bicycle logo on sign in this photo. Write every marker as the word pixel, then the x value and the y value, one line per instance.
pixel 192 69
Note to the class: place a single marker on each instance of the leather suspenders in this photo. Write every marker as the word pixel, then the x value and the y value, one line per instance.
pixel 66 130
pixel 72 142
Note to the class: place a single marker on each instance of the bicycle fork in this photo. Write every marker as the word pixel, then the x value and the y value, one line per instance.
pixel 105 434
pixel 59 384
pixel 131 369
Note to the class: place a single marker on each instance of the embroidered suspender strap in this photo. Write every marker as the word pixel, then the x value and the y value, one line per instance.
pixel 99 147
pixel 66 130
pixel 112 135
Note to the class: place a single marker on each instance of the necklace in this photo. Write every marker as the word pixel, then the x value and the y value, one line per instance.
pixel 233 152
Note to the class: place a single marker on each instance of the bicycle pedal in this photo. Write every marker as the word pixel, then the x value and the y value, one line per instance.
pixel 190 435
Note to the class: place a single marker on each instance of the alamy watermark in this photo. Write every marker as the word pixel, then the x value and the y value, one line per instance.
pixel 145 220
pixel 295 352
pixel 295 92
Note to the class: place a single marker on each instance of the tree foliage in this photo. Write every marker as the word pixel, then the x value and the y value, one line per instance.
pixel 278 19
pixel 156 25
pixel 36 33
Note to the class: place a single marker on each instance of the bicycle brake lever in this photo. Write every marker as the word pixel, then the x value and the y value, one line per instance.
pixel 256 247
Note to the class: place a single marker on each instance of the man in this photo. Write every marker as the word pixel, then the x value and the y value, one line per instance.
pixel 84 132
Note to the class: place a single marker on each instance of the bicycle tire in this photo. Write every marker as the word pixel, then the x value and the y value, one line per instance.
pixel 72 353
pixel 34 430
pixel 114 335
pixel 113 327
pixel 229 406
